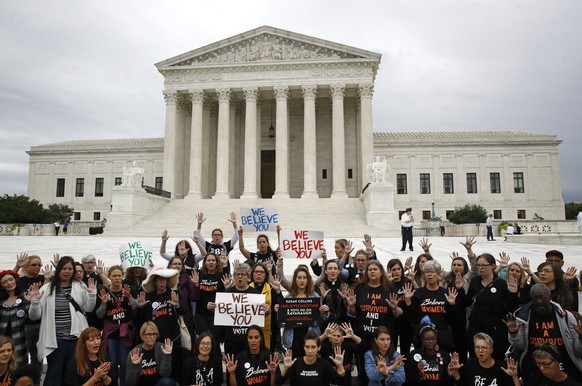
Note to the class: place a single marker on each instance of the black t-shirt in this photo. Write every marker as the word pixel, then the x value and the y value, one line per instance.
pixel 201 373
pixel 24 284
pixel 252 369
pixel 74 379
pixel 349 347
pixel 492 303
pixel 434 366
pixel 257 257
pixel 149 375
pixel 158 309
pixel 209 285
pixel 302 374
pixel 472 374
pixel 538 379
pixel 372 310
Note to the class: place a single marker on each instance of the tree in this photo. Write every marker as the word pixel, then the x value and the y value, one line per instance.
pixel 468 214
pixel 572 210
pixel 21 209
pixel 59 212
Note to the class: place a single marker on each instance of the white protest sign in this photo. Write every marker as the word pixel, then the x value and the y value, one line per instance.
pixel 258 219
pixel 239 309
pixel 301 244
pixel 134 254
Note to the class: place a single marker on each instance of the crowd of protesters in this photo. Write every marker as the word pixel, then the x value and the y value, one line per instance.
pixel 486 321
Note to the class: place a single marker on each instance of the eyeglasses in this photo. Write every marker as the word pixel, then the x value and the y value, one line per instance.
pixel 205 343
pixel 241 274
pixel 217 234
pixel 482 348
pixel 544 364
pixel 151 334
pixel 483 265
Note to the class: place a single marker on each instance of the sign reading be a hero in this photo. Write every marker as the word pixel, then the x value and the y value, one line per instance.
pixel 258 219
pixel 301 244
pixel 134 254
pixel 239 309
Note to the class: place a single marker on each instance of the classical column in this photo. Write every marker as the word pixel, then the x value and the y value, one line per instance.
pixel 251 140
pixel 366 140
pixel 338 142
pixel 195 188
pixel 171 98
pixel 281 143
pixel 223 144
pixel 309 142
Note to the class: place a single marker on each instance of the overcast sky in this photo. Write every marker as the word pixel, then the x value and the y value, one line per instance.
pixel 74 69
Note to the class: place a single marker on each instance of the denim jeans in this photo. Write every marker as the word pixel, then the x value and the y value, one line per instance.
pixel 165 381
pixel 57 362
pixel 118 356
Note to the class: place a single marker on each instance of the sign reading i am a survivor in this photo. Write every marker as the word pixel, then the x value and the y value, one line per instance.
pixel 299 312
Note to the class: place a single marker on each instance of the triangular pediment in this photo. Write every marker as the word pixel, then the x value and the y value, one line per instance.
pixel 267 45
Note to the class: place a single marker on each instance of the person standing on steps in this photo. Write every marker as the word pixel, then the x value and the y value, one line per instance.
pixel 489 226
pixel 406 224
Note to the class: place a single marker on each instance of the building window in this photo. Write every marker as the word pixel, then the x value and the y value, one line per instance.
pixel 80 187
pixel 60 187
pixel 497 214
pixel 518 183
pixel 118 181
pixel 426 214
pixel 324 174
pixel 448 213
pixel 77 216
pixel 521 214
pixel 99 187
pixel 350 174
pixel 448 186
pixel 159 183
pixel 471 182
pixel 495 182
pixel 401 184
pixel 97 216
pixel 424 183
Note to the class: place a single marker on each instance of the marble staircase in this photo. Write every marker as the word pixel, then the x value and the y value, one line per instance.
pixel 343 217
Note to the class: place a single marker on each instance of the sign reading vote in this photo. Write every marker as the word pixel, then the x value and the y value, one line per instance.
pixel 239 309
pixel 134 254
pixel 258 219
pixel 303 312
pixel 301 244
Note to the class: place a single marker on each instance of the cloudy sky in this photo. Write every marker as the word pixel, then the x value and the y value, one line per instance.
pixel 74 69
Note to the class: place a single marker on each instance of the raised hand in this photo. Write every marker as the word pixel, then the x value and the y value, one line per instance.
pixel 503 260
pixel 468 244
pixel 408 291
pixel 323 290
pixel 273 363
pixel 165 235
pixel 200 218
pixel 393 300
pixel 167 346
pixel 56 258
pixel 380 363
pixel 511 369
pixel 512 324
pixel 227 281
pixel 368 244
pixel 512 285
pixel 135 355
pixel 230 363
pixel 349 247
pixel 348 330
pixel 91 286
pixel 454 255
pixel 223 259
pixel 570 273
pixel 338 356
pixel 33 292
pixel 269 264
pixel 330 329
pixel 103 296
pixel 174 299
pixel 351 297
pixel 141 300
pixel 126 290
pixel 232 219
pixel 408 263
pixel 102 370
pixel 454 365
pixel 525 265
pixel 411 274
pixel 425 245
pixel 276 285
pixel 21 260
pixel 100 267
pixel 288 360
pixel 451 296
pixel 48 271
pixel 195 277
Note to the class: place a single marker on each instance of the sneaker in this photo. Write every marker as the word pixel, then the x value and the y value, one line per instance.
pixel 402 250
pixel 411 249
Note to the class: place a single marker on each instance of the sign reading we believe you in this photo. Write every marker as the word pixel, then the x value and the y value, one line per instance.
pixel 299 244
pixel 258 219
pixel 239 309
pixel 134 254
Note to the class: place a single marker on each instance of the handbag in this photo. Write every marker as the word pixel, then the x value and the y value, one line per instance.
pixel 185 338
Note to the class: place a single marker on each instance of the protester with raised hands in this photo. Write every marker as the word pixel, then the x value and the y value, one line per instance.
pixel 264 251
pixel 218 246
pixel 427 365
pixel 159 303
pixel 204 368
pixel 403 331
pixel 551 276
pixel 183 250
pixel 13 311
pixel 383 364
pixel 150 363
pixel 329 286
pixel 309 369
pixel 61 306
pixel 340 339
pixel 255 365
pixel 89 366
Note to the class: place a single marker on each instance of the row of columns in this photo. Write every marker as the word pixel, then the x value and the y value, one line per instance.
pixel 252 144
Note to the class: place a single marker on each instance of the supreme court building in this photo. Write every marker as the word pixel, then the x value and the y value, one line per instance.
pixel 275 114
